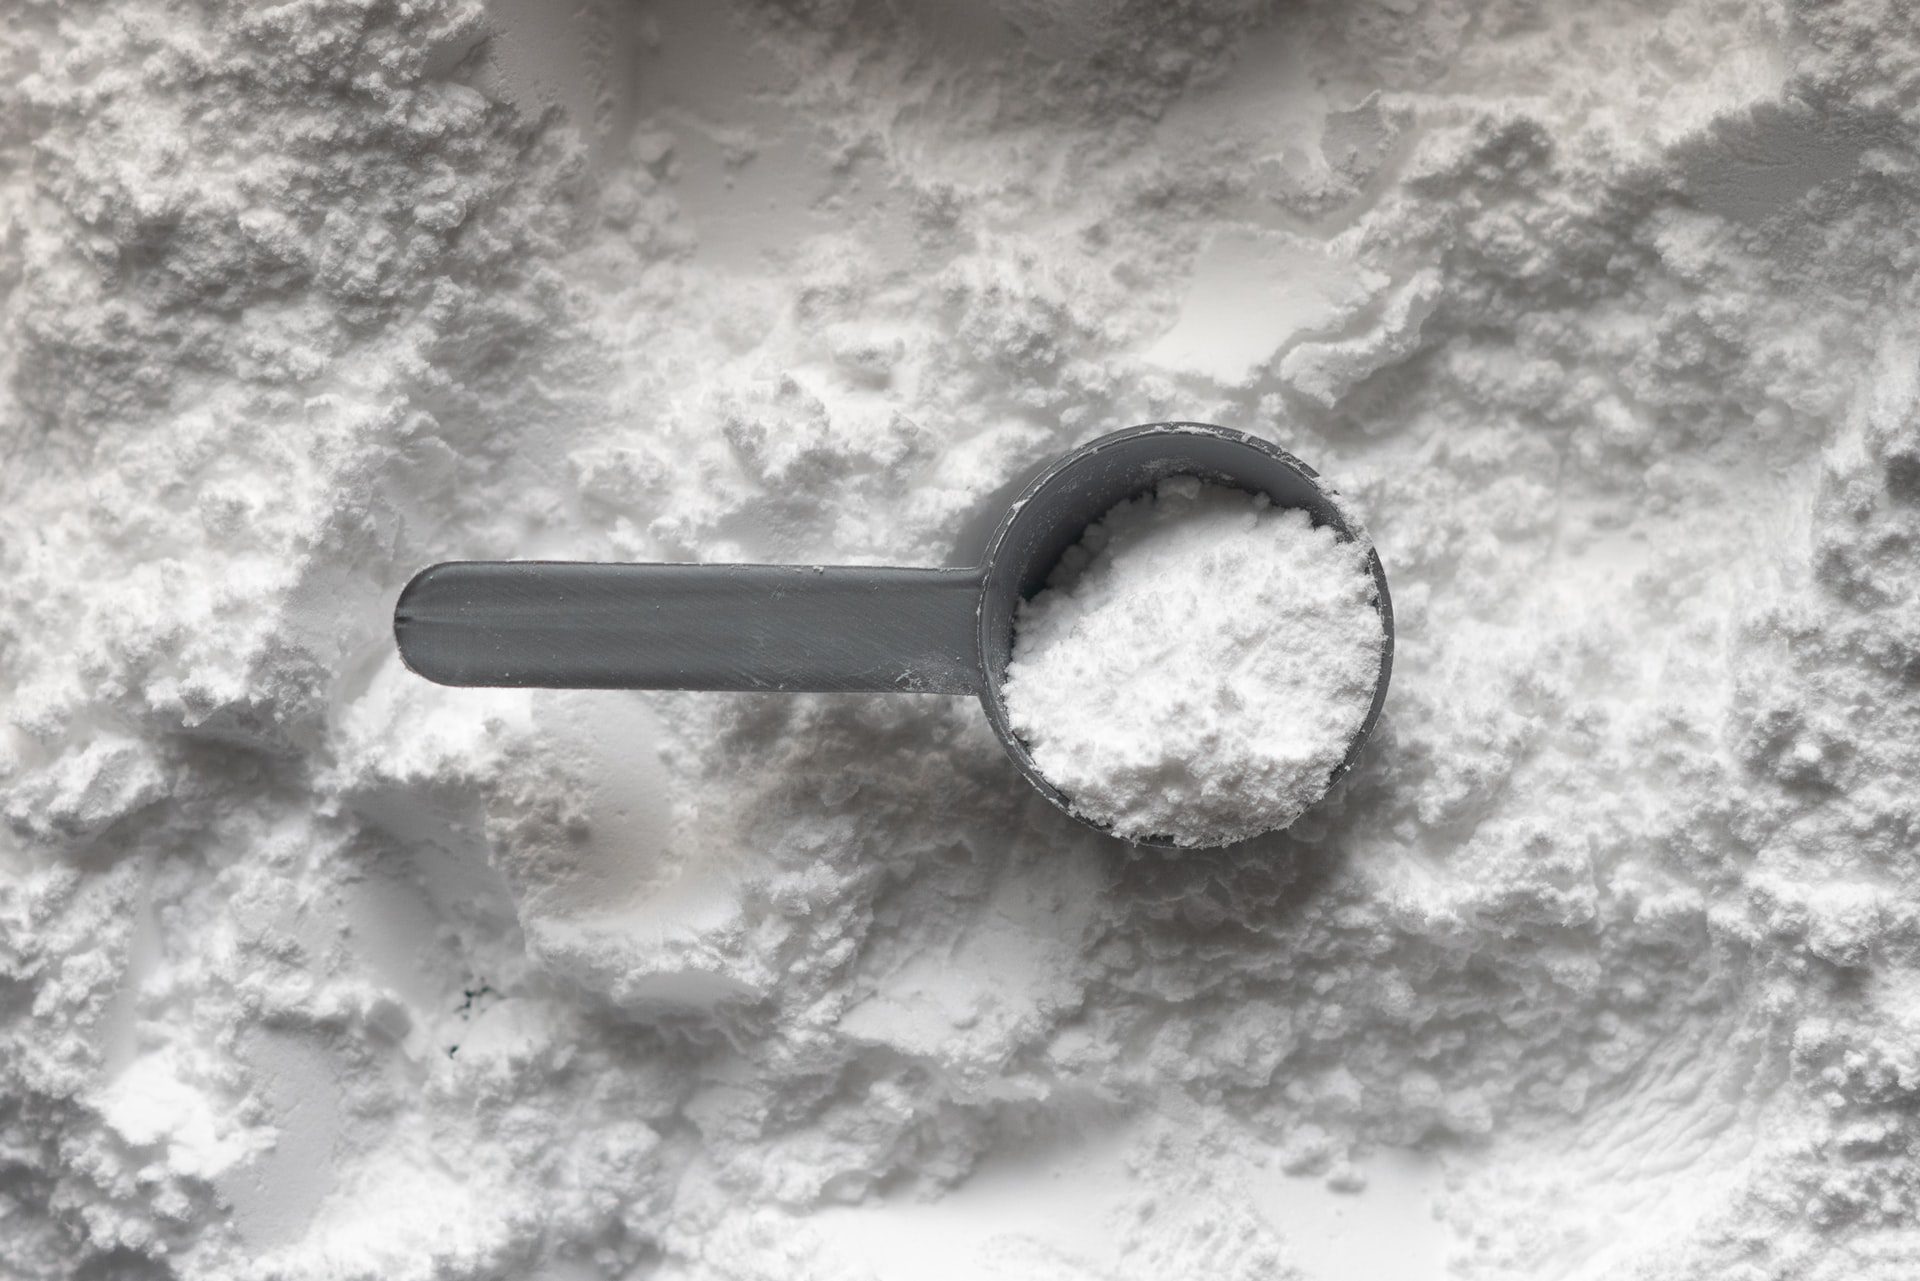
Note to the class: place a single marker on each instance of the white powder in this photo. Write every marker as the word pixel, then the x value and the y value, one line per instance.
pixel 1198 665
pixel 1604 961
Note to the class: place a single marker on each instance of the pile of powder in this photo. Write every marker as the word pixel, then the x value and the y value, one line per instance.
pixel 1197 665
pixel 1603 962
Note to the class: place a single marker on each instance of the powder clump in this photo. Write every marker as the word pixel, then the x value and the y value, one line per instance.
pixel 1198 665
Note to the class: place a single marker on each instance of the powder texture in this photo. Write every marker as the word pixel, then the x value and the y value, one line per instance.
pixel 1604 962
pixel 1198 666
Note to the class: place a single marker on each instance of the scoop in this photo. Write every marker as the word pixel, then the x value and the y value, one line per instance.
pixel 833 628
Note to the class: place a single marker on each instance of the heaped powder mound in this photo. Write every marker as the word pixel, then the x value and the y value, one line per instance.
pixel 1603 962
pixel 1197 666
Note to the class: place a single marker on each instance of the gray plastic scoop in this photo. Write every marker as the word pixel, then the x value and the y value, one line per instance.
pixel 824 628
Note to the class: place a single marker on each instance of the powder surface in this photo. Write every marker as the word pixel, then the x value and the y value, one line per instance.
pixel 1197 666
pixel 1604 961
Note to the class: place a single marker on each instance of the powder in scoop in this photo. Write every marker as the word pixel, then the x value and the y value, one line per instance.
pixel 1197 666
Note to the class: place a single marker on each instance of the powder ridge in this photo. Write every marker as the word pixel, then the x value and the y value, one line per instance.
pixel 1198 665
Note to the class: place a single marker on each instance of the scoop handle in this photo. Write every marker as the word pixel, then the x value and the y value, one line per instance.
pixel 793 628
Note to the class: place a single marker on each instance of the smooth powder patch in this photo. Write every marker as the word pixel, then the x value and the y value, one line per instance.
pixel 1197 665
